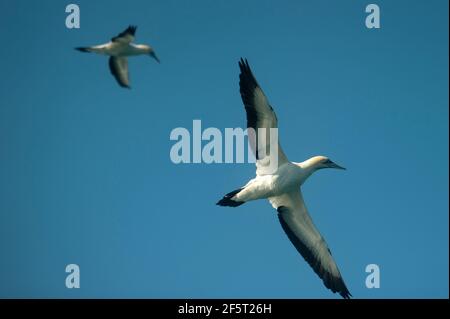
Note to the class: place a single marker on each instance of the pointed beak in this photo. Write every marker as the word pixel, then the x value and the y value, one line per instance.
pixel 334 165
pixel 153 55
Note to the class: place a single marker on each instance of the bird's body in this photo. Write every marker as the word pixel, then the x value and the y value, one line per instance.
pixel 282 186
pixel 289 176
pixel 119 49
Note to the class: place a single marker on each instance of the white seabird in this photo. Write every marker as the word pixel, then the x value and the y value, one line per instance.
pixel 119 48
pixel 282 188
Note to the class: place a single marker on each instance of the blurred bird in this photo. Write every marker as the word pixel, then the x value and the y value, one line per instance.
pixel 119 49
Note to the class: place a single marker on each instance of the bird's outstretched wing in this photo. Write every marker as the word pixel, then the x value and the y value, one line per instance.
pixel 260 117
pixel 119 68
pixel 300 229
pixel 126 36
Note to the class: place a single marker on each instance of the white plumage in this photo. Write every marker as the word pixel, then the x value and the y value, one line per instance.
pixel 282 186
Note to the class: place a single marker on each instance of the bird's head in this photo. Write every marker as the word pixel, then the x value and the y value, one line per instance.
pixel 152 53
pixel 318 162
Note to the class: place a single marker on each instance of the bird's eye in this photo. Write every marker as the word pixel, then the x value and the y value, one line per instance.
pixel 328 161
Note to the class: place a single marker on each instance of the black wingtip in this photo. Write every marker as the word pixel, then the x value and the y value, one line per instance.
pixel 243 61
pixel 82 49
pixel 125 86
pixel 346 294
pixel 131 29
pixel 244 66
pixel 246 77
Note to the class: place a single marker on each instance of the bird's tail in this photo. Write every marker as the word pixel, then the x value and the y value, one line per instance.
pixel 83 49
pixel 228 201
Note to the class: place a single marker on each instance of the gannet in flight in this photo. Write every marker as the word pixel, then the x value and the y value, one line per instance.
pixel 119 48
pixel 282 186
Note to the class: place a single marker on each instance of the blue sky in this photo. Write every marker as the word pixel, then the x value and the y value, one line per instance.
pixel 86 176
